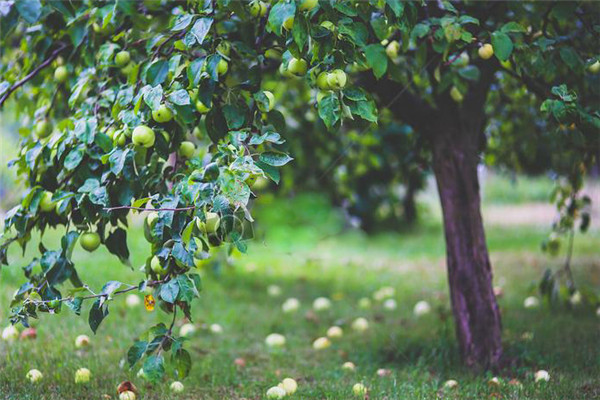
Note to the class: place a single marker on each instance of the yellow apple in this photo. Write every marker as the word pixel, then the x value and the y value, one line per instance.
pixel 456 94
pixel 486 51
pixel 271 104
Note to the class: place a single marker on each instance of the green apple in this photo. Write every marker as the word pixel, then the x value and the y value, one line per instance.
pixel 187 149
pixel 122 58
pixel 156 266
pixel 392 49
pixel 82 375
pixel 462 60
pixel 46 204
pixel 595 67
pixel 177 387
pixel 273 54
pixel 143 136
pixel 284 71
pixel 321 94
pixel 307 5
pixel 119 139
pixel 212 223
pixel 202 109
pixel 288 23
pixel 89 241
pixel 222 67
pixel 297 66
pixel 322 81
pixel 330 26
pixel 127 395
pixel 486 51
pixel 224 48
pixel 336 79
pixel 61 74
pixel 456 94
pixel 43 129
pixel 258 8
pixel 271 104
pixel 162 114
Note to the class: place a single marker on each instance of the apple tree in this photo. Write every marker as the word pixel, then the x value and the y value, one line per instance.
pixel 166 108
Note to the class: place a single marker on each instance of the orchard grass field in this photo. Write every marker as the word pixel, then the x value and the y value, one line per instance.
pixel 308 254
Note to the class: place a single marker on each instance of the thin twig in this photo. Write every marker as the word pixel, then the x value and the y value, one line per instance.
pixel 32 74
pixel 149 209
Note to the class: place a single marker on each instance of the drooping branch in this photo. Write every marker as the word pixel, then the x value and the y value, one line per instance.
pixel 32 74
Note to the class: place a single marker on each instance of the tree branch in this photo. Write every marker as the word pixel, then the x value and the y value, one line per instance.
pixel 32 74
pixel 149 209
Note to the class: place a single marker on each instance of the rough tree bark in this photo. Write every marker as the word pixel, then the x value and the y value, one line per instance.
pixel 474 305
pixel 455 134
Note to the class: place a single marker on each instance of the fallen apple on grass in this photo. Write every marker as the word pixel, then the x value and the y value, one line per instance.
pixel 34 375
pixel 82 376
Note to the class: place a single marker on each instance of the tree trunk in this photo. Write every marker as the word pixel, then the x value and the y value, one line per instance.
pixel 477 318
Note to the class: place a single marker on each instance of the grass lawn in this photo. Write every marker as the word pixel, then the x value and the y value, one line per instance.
pixel 308 254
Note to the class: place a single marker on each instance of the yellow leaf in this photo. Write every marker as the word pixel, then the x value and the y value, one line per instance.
pixel 149 302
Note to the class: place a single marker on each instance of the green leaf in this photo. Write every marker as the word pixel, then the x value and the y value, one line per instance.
pixel 187 289
pixel 30 10
pixel 201 28
pixel 571 58
pixel 75 304
pixel 397 7
pixel 98 312
pixel 116 243
pixel 182 362
pixel 330 109
pixel 74 158
pixel 109 287
pixel 503 45
pixel 153 97
pixel 364 109
pixel 234 115
pixel 470 72
pixel 181 22
pixel 279 13
pixel 154 368
pixel 272 172
pixel 300 31
pixel 180 97
pixel 513 27
pixel 194 71
pixel 357 32
pixel 169 291
pixel 157 72
pixel 136 352
pixel 275 159
pixel 377 59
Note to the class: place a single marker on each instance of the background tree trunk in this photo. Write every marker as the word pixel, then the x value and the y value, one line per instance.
pixel 476 314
